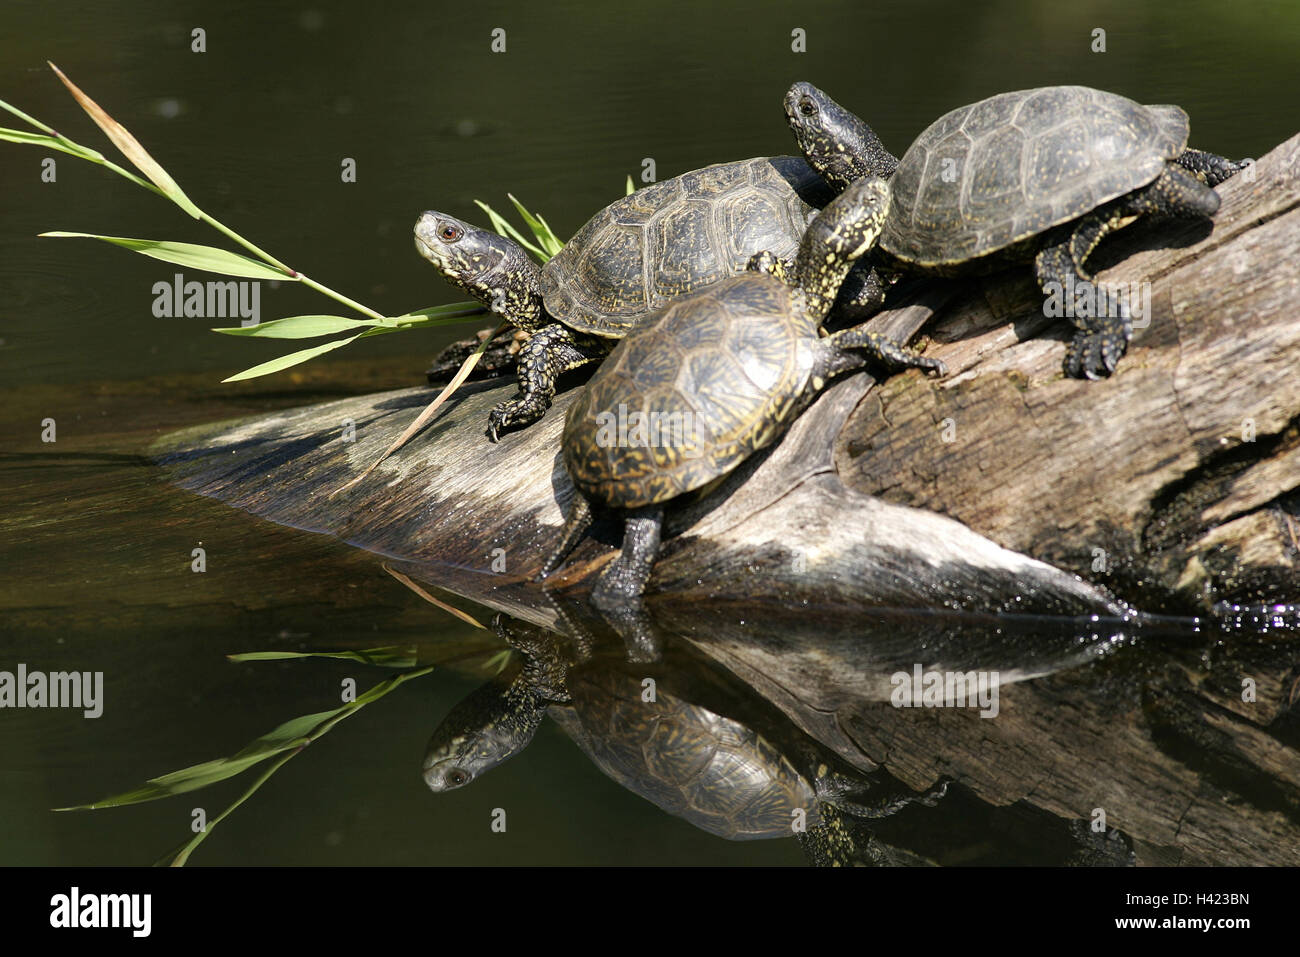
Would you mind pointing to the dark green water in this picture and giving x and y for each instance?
(95, 547)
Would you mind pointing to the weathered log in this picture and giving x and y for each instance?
(1173, 484)
(480, 517)
(1156, 735)
(1175, 481)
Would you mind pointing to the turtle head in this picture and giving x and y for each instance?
(841, 234)
(490, 726)
(836, 143)
(494, 270)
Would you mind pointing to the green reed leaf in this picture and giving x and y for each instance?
(207, 258)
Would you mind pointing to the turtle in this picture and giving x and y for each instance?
(696, 746)
(709, 380)
(1041, 175)
(656, 244)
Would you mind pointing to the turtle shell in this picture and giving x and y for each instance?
(671, 238)
(718, 774)
(687, 397)
(1004, 169)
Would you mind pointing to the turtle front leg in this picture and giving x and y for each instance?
(1100, 340)
(1210, 168)
(882, 349)
(1103, 323)
(851, 795)
(617, 595)
(860, 297)
(552, 350)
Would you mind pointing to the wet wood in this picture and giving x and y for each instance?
(1189, 744)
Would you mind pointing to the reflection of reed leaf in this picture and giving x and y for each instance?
(497, 663)
(438, 603)
(290, 735)
(391, 656)
(284, 741)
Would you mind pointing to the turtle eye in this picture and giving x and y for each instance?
(456, 777)
(807, 107)
(450, 233)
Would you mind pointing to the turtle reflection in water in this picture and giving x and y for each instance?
(742, 771)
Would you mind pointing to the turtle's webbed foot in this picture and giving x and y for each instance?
(619, 589)
(517, 412)
(1227, 170)
(885, 350)
(935, 794)
(617, 595)
(1099, 344)
(897, 356)
(934, 367)
(548, 352)
(886, 804)
(576, 523)
(1094, 354)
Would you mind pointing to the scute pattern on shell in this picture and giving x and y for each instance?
(728, 365)
(671, 238)
(693, 763)
(1024, 162)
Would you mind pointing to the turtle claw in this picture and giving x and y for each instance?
(516, 413)
(1094, 355)
(1082, 357)
(498, 420)
(934, 367)
(935, 794)
(847, 796)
